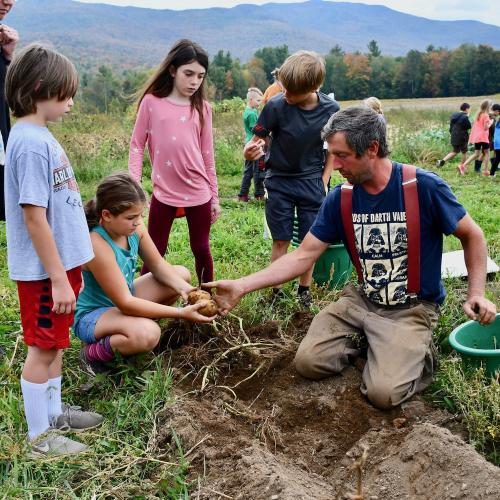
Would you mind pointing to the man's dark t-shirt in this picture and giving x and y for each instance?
(296, 148)
(381, 235)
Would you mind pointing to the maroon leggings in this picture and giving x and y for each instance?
(161, 218)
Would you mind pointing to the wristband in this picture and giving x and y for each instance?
(179, 308)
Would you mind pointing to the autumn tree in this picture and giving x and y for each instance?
(272, 57)
(358, 72)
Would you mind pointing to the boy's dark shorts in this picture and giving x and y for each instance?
(283, 196)
(42, 327)
(460, 148)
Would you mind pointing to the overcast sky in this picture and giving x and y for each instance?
(487, 11)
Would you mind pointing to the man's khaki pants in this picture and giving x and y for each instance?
(399, 358)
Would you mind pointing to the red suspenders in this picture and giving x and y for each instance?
(346, 212)
(410, 194)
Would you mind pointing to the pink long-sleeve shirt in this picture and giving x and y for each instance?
(181, 152)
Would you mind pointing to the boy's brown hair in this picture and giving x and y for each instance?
(36, 74)
(302, 72)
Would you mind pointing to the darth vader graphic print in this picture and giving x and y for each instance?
(382, 244)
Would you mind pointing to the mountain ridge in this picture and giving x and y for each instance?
(136, 36)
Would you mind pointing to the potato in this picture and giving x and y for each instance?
(210, 309)
(197, 295)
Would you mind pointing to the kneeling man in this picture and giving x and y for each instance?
(392, 219)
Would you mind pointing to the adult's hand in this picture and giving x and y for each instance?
(228, 294)
(480, 309)
(8, 40)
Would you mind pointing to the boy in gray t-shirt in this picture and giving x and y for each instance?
(47, 242)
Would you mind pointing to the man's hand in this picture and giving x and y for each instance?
(8, 40)
(63, 297)
(480, 309)
(228, 294)
(253, 150)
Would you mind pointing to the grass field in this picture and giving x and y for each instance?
(124, 462)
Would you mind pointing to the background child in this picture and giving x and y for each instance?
(253, 168)
(479, 136)
(296, 177)
(47, 241)
(375, 104)
(496, 140)
(275, 87)
(176, 122)
(459, 130)
(113, 311)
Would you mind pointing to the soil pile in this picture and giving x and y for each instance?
(258, 430)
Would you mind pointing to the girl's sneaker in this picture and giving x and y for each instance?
(92, 367)
(51, 443)
(461, 169)
(75, 420)
(486, 173)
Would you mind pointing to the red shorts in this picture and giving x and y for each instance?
(42, 327)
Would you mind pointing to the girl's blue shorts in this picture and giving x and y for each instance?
(85, 327)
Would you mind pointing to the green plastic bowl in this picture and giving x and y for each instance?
(333, 268)
(478, 345)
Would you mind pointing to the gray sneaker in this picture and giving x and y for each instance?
(51, 443)
(75, 420)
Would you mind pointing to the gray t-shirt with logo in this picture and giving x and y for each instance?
(38, 172)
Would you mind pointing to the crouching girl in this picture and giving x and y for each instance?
(115, 312)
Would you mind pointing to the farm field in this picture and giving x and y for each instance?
(444, 103)
(218, 411)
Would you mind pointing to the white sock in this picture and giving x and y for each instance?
(35, 407)
(54, 398)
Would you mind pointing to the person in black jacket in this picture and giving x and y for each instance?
(8, 41)
(459, 130)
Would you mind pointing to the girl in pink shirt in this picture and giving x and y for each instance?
(176, 122)
(479, 136)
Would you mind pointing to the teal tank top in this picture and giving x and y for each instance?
(93, 296)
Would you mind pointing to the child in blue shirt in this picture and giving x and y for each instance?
(496, 140)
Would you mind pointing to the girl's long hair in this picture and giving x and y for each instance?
(116, 193)
(484, 108)
(161, 83)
